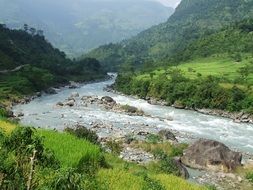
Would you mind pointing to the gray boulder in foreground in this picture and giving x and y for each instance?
(167, 135)
(211, 155)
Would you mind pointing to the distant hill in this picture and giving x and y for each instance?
(191, 20)
(81, 25)
(28, 63)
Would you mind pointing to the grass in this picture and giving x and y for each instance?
(171, 182)
(6, 126)
(116, 179)
(68, 148)
(220, 67)
(154, 148)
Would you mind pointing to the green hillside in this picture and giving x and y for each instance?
(28, 64)
(191, 20)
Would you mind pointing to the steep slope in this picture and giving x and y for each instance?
(28, 63)
(78, 26)
(191, 20)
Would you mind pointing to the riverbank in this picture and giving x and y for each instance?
(237, 117)
(7, 105)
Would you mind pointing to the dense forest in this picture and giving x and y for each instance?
(191, 20)
(29, 63)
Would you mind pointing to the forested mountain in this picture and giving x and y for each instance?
(28, 63)
(78, 26)
(191, 20)
(231, 41)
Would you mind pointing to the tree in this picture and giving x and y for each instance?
(26, 27)
(40, 33)
(33, 31)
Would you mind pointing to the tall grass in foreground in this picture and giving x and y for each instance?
(171, 182)
(69, 149)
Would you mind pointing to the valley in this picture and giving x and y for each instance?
(126, 95)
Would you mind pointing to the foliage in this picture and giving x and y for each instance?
(192, 20)
(153, 139)
(84, 133)
(249, 176)
(114, 146)
(16, 150)
(200, 92)
(30, 64)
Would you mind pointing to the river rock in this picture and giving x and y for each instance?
(211, 155)
(73, 85)
(167, 135)
(108, 99)
(178, 105)
(59, 104)
(20, 114)
(51, 91)
(70, 103)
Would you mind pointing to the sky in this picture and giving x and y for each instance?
(170, 3)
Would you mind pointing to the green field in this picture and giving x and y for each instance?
(225, 68)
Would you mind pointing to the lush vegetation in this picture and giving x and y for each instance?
(41, 159)
(204, 84)
(192, 20)
(28, 64)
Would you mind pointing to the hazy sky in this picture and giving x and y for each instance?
(170, 3)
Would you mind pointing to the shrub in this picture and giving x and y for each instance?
(115, 147)
(82, 132)
(66, 179)
(168, 165)
(249, 176)
(154, 139)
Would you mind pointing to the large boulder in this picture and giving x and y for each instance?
(211, 155)
(167, 135)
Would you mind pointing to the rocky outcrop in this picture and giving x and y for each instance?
(167, 135)
(211, 155)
